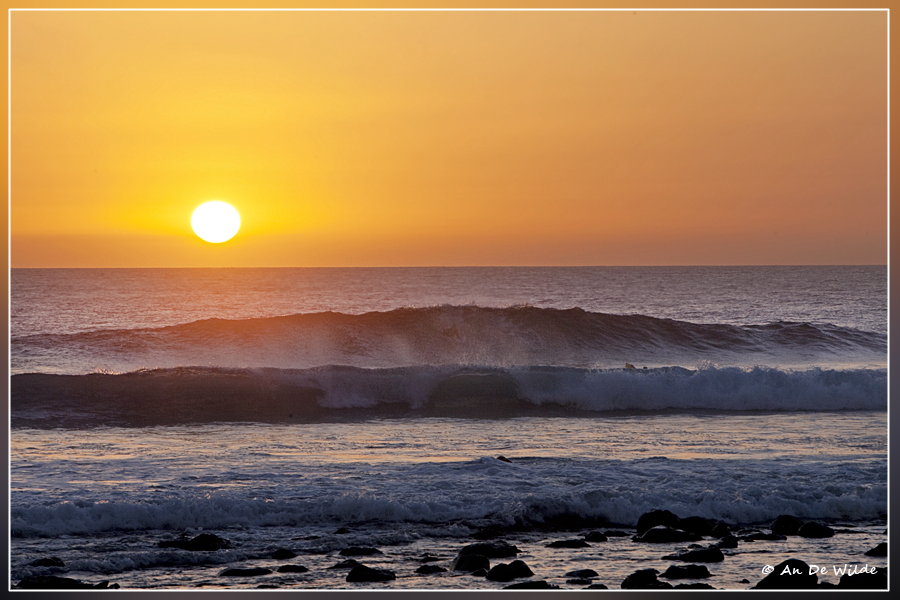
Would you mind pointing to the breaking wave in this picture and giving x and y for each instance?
(203, 395)
(461, 335)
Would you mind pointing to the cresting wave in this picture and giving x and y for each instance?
(438, 335)
(203, 395)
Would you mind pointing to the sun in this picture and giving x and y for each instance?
(216, 221)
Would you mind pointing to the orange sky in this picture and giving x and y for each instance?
(499, 138)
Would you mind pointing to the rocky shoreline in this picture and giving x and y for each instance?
(694, 548)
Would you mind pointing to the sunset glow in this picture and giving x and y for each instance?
(451, 138)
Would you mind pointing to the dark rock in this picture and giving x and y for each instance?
(292, 569)
(595, 536)
(532, 585)
(357, 551)
(479, 573)
(815, 530)
(578, 581)
(513, 570)
(470, 562)
(251, 572)
(687, 572)
(205, 542)
(656, 517)
(792, 574)
(283, 554)
(490, 549)
(763, 537)
(615, 533)
(720, 530)
(52, 561)
(596, 586)
(711, 554)
(267, 586)
(879, 550)
(661, 534)
(744, 581)
(362, 573)
(579, 543)
(583, 573)
(786, 525)
(346, 564)
(504, 459)
(865, 581)
(428, 558)
(342, 531)
(698, 525)
(52, 582)
(429, 569)
(645, 579)
(729, 541)
(694, 586)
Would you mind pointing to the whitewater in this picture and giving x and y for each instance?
(410, 409)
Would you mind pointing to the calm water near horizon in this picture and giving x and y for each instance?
(273, 406)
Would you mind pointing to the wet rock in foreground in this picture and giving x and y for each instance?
(52, 582)
(283, 554)
(470, 562)
(251, 572)
(430, 569)
(595, 536)
(205, 542)
(507, 572)
(786, 525)
(577, 543)
(292, 569)
(879, 550)
(694, 586)
(362, 573)
(687, 572)
(615, 533)
(654, 518)
(662, 534)
(699, 525)
(815, 530)
(645, 579)
(490, 549)
(729, 541)
(711, 554)
(865, 581)
(583, 573)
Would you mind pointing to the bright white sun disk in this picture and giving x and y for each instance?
(216, 221)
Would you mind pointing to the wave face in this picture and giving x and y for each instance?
(204, 395)
(462, 335)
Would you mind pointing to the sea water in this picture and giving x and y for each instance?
(274, 406)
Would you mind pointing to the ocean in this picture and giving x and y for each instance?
(414, 411)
